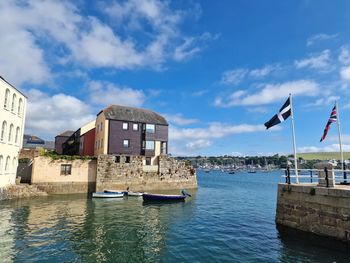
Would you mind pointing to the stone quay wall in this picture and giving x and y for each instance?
(319, 210)
(113, 172)
(20, 191)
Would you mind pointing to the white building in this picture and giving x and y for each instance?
(12, 116)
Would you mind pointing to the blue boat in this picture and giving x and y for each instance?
(165, 198)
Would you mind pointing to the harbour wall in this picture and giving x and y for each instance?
(120, 172)
(311, 208)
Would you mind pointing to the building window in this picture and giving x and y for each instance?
(117, 159)
(7, 98)
(7, 164)
(66, 169)
(148, 145)
(125, 125)
(163, 149)
(101, 143)
(3, 130)
(17, 135)
(127, 159)
(96, 145)
(13, 105)
(14, 165)
(11, 133)
(126, 143)
(150, 128)
(135, 127)
(20, 107)
(148, 160)
(101, 126)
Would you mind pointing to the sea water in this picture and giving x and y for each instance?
(230, 218)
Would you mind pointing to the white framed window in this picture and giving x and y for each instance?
(17, 135)
(13, 105)
(126, 143)
(14, 164)
(164, 147)
(7, 98)
(125, 126)
(149, 145)
(3, 130)
(150, 128)
(135, 127)
(20, 104)
(11, 133)
(7, 164)
(101, 126)
(66, 169)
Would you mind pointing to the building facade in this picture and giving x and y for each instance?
(131, 131)
(12, 119)
(87, 139)
(61, 139)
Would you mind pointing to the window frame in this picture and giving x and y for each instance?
(67, 169)
(150, 130)
(135, 125)
(127, 126)
(149, 141)
(128, 144)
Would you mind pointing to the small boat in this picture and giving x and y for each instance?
(231, 172)
(135, 193)
(165, 198)
(116, 191)
(108, 195)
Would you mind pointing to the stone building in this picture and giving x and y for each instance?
(12, 117)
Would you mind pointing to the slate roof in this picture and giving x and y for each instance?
(122, 113)
(66, 134)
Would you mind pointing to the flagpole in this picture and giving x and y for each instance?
(340, 139)
(294, 144)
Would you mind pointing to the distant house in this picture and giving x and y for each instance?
(33, 142)
(61, 139)
(87, 139)
(131, 131)
(12, 117)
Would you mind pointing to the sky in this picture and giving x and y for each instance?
(217, 70)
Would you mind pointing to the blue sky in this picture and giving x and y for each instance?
(216, 69)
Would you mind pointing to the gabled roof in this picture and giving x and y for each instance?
(66, 134)
(122, 113)
(2, 78)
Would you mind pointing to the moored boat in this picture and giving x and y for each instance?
(165, 198)
(107, 195)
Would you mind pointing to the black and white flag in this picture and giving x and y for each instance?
(281, 116)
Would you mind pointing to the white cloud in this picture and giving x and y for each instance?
(35, 32)
(198, 144)
(106, 93)
(236, 76)
(315, 61)
(319, 37)
(178, 119)
(324, 101)
(328, 148)
(344, 56)
(269, 94)
(49, 115)
(345, 73)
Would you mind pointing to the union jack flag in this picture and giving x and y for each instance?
(332, 118)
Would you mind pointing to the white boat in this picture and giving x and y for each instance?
(108, 195)
(135, 193)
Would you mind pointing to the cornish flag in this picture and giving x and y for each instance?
(281, 116)
(332, 118)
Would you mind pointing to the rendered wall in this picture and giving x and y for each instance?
(46, 174)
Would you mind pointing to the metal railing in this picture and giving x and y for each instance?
(314, 175)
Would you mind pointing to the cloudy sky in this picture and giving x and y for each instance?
(216, 69)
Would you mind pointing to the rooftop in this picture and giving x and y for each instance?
(117, 112)
(66, 134)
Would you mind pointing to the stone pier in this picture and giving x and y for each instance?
(312, 208)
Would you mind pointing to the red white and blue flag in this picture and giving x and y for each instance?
(332, 118)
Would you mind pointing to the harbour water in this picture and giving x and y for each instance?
(230, 218)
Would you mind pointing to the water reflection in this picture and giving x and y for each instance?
(298, 246)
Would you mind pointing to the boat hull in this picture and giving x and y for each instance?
(107, 195)
(163, 198)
